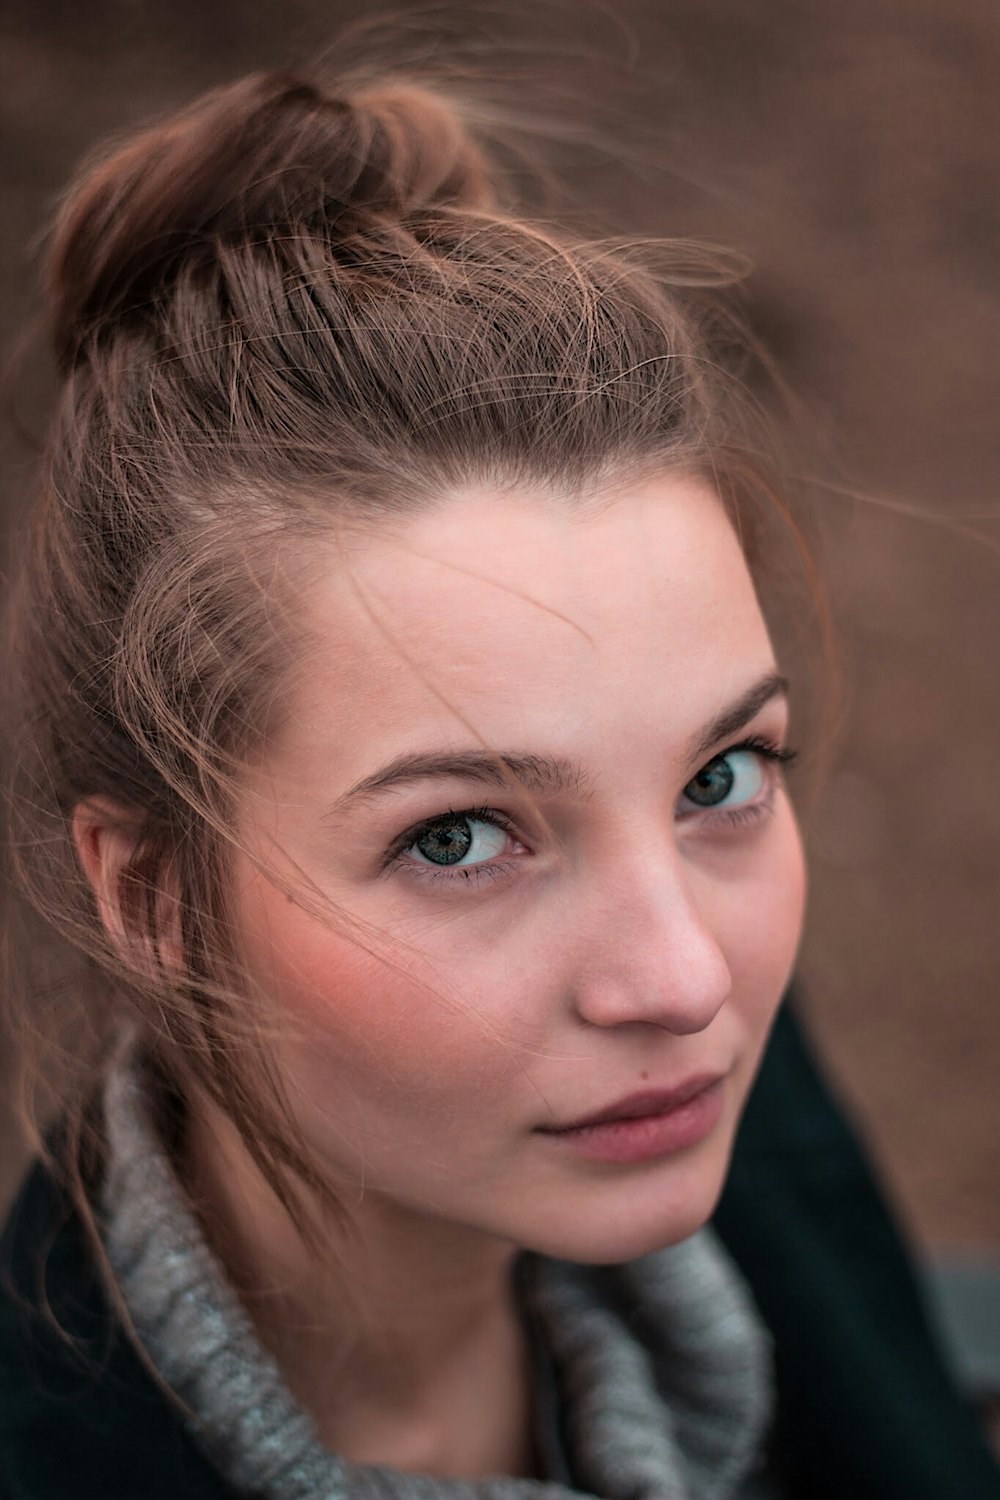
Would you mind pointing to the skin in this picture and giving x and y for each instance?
(617, 938)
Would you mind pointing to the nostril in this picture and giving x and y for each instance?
(681, 1002)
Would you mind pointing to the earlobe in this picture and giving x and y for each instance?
(106, 836)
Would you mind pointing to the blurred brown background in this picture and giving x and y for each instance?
(852, 147)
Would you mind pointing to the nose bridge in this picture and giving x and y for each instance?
(652, 953)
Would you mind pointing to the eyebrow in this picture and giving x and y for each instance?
(739, 714)
(535, 773)
(545, 774)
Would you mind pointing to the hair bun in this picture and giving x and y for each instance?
(264, 156)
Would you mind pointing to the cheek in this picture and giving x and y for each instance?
(356, 1016)
(762, 921)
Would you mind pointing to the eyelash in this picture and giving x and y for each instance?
(776, 755)
(737, 817)
(491, 815)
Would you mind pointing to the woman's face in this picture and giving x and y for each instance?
(604, 925)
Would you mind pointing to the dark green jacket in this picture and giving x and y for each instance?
(866, 1411)
(866, 1408)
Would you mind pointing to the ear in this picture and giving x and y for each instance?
(106, 835)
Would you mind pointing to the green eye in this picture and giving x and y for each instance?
(446, 843)
(449, 841)
(730, 780)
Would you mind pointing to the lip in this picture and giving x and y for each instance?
(647, 1126)
(641, 1105)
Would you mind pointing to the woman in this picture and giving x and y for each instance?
(406, 756)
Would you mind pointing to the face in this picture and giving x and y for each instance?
(532, 759)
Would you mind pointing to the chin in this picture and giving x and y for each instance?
(625, 1220)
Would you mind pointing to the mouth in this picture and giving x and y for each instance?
(645, 1126)
(640, 1106)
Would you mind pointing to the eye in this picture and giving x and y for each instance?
(458, 839)
(730, 781)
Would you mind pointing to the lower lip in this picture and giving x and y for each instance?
(649, 1137)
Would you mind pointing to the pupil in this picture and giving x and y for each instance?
(712, 784)
(446, 843)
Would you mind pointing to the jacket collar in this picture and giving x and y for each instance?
(79, 1413)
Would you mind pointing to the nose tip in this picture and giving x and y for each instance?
(662, 966)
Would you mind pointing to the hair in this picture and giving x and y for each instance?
(291, 307)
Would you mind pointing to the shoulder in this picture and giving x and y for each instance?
(79, 1414)
(866, 1404)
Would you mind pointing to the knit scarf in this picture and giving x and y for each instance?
(662, 1366)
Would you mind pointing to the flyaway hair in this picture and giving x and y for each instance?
(288, 309)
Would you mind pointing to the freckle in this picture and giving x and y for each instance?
(643, 1074)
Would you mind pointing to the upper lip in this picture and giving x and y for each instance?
(647, 1102)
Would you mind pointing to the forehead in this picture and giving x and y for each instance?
(505, 618)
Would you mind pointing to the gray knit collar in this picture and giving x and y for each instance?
(662, 1364)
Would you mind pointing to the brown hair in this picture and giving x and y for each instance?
(286, 306)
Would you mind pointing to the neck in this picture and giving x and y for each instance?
(404, 1342)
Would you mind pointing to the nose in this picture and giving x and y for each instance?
(650, 954)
